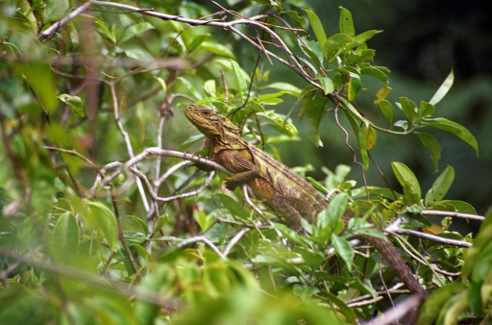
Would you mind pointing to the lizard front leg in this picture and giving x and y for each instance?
(241, 178)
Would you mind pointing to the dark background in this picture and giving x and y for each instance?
(422, 41)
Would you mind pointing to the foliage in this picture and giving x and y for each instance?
(87, 237)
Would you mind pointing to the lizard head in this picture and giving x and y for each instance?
(209, 122)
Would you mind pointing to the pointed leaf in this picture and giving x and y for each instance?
(344, 250)
(346, 23)
(441, 186)
(367, 35)
(41, 80)
(408, 181)
(329, 219)
(317, 26)
(443, 89)
(454, 128)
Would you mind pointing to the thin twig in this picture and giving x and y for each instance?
(439, 239)
(363, 300)
(453, 214)
(204, 240)
(73, 153)
(398, 312)
(50, 31)
(126, 139)
(235, 240)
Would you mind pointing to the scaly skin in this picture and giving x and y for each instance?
(284, 192)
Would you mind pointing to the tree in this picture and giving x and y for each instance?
(103, 221)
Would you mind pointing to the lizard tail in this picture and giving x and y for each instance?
(393, 258)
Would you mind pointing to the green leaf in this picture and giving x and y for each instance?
(232, 206)
(74, 102)
(137, 53)
(242, 78)
(346, 23)
(408, 181)
(314, 50)
(335, 44)
(326, 84)
(210, 88)
(455, 205)
(409, 108)
(387, 110)
(443, 89)
(317, 26)
(454, 128)
(286, 87)
(474, 297)
(382, 93)
(104, 30)
(431, 143)
(65, 236)
(367, 35)
(204, 220)
(376, 71)
(41, 80)
(426, 109)
(434, 303)
(328, 220)
(441, 186)
(313, 107)
(354, 85)
(280, 122)
(344, 250)
(217, 48)
(135, 30)
(54, 9)
(102, 220)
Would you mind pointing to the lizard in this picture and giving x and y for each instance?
(287, 194)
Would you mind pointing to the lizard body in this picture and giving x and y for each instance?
(286, 193)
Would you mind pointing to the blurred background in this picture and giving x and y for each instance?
(422, 41)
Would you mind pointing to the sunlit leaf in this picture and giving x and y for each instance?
(346, 23)
(443, 89)
(317, 26)
(285, 87)
(210, 88)
(74, 102)
(280, 122)
(217, 48)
